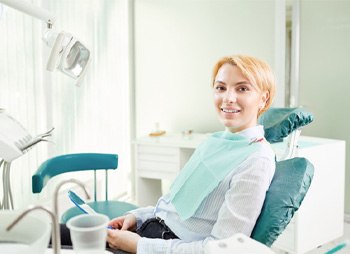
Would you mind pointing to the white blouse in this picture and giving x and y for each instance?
(232, 207)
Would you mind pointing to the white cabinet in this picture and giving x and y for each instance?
(319, 219)
(160, 158)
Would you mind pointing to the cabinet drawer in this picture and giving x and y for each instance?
(158, 166)
(155, 158)
(158, 157)
(157, 150)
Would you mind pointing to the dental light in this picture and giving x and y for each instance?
(68, 54)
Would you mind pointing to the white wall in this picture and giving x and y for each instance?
(324, 71)
(177, 42)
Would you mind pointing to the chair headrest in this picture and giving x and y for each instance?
(280, 122)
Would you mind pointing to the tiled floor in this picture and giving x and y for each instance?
(330, 246)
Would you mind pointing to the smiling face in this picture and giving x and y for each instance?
(237, 101)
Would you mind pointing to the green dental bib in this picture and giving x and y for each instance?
(209, 165)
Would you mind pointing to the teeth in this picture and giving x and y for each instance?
(230, 110)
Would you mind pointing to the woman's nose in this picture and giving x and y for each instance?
(230, 97)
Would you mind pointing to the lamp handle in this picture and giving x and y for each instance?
(57, 47)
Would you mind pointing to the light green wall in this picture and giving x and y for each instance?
(325, 72)
(177, 43)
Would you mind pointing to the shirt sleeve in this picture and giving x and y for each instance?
(142, 214)
(245, 198)
(239, 212)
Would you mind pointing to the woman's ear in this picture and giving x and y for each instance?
(264, 99)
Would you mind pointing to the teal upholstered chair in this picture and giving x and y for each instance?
(287, 190)
(82, 162)
(293, 175)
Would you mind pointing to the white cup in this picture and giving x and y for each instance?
(88, 233)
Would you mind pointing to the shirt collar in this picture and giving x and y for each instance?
(252, 132)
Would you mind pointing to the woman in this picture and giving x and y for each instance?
(221, 190)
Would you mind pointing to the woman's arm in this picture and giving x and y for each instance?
(133, 243)
(245, 198)
(239, 212)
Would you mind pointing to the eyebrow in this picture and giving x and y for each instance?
(244, 82)
(219, 81)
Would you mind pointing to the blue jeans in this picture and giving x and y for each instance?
(156, 228)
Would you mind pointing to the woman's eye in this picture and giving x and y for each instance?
(220, 88)
(243, 89)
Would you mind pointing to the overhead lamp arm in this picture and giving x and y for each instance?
(31, 10)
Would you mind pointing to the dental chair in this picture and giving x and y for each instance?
(82, 162)
(288, 188)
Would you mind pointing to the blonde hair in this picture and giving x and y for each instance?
(258, 72)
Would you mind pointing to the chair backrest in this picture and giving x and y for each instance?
(292, 177)
(71, 163)
(288, 188)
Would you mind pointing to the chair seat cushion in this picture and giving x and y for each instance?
(287, 190)
(110, 208)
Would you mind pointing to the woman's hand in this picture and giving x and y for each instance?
(127, 222)
(123, 240)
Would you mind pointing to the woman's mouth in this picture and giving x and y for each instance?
(225, 110)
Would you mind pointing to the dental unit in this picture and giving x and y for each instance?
(24, 239)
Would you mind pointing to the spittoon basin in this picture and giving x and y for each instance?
(30, 235)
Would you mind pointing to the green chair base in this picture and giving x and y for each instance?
(110, 208)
